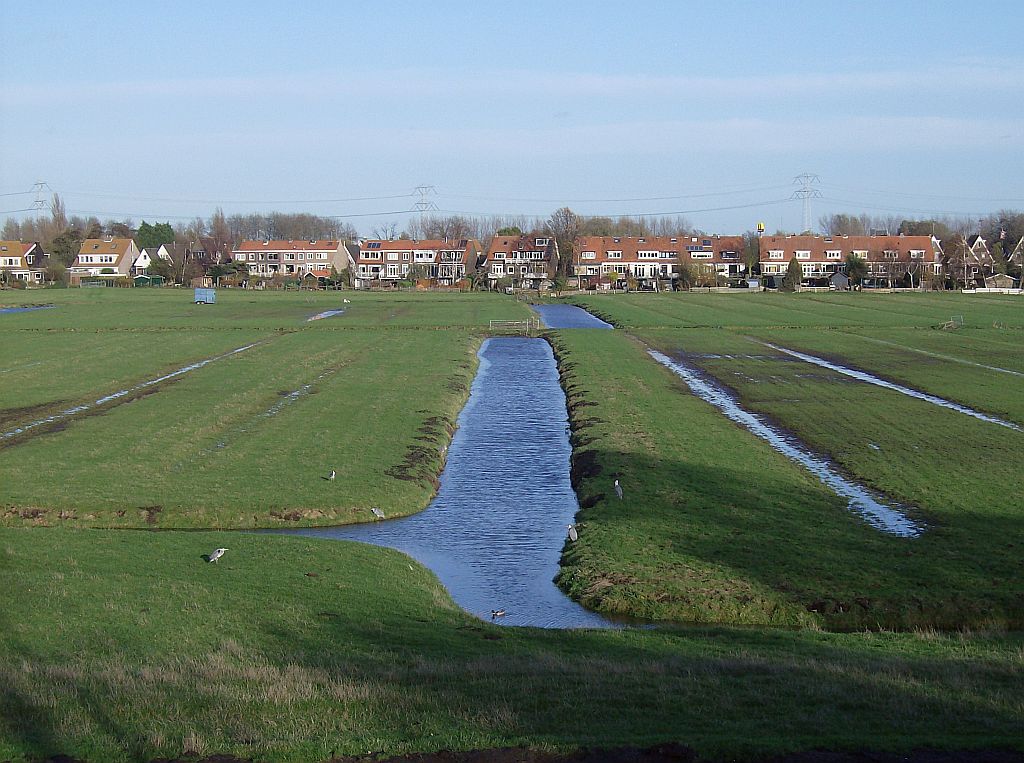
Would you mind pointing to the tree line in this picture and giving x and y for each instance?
(61, 236)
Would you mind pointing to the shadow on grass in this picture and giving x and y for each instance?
(692, 542)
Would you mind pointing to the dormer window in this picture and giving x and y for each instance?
(542, 242)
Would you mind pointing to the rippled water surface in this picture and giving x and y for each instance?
(569, 317)
(496, 529)
(873, 508)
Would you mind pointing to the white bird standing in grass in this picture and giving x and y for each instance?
(573, 535)
(618, 489)
(377, 513)
(217, 554)
(332, 475)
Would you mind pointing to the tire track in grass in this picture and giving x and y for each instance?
(864, 376)
(938, 355)
(39, 426)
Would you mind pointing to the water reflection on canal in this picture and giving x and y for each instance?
(495, 531)
(558, 316)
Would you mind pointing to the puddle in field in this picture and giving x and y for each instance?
(26, 309)
(864, 376)
(325, 314)
(873, 508)
(569, 317)
(120, 394)
(495, 532)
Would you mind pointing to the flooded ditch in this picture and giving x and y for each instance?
(569, 317)
(875, 510)
(25, 309)
(325, 314)
(495, 531)
(864, 376)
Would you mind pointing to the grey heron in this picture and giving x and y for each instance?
(618, 489)
(332, 475)
(573, 535)
(217, 554)
(377, 513)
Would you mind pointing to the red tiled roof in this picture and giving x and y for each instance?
(298, 245)
(875, 246)
(631, 246)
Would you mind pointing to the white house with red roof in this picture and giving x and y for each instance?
(106, 257)
(292, 259)
(648, 259)
(385, 262)
(23, 261)
(890, 260)
(529, 260)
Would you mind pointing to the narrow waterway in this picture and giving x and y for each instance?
(569, 317)
(496, 529)
(864, 376)
(873, 508)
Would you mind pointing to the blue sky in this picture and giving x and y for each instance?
(164, 110)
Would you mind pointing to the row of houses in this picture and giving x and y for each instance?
(531, 260)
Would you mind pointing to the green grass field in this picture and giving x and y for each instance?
(127, 646)
(117, 644)
(744, 536)
(245, 440)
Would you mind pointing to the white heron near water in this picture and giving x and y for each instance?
(618, 489)
(217, 554)
(573, 535)
(377, 513)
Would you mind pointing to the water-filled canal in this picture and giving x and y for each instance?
(569, 317)
(496, 529)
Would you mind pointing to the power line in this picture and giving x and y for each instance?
(736, 192)
(769, 202)
(99, 194)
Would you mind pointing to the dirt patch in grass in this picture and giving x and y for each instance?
(149, 513)
(422, 462)
(40, 410)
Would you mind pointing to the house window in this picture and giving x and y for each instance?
(917, 254)
(392, 257)
(542, 242)
(497, 268)
(588, 256)
(701, 255)
(803, 254)
(890, 255)
(614, 255)
(775, 254)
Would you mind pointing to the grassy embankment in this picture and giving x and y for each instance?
(744, 536)
(244, 441)
(127, 646)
